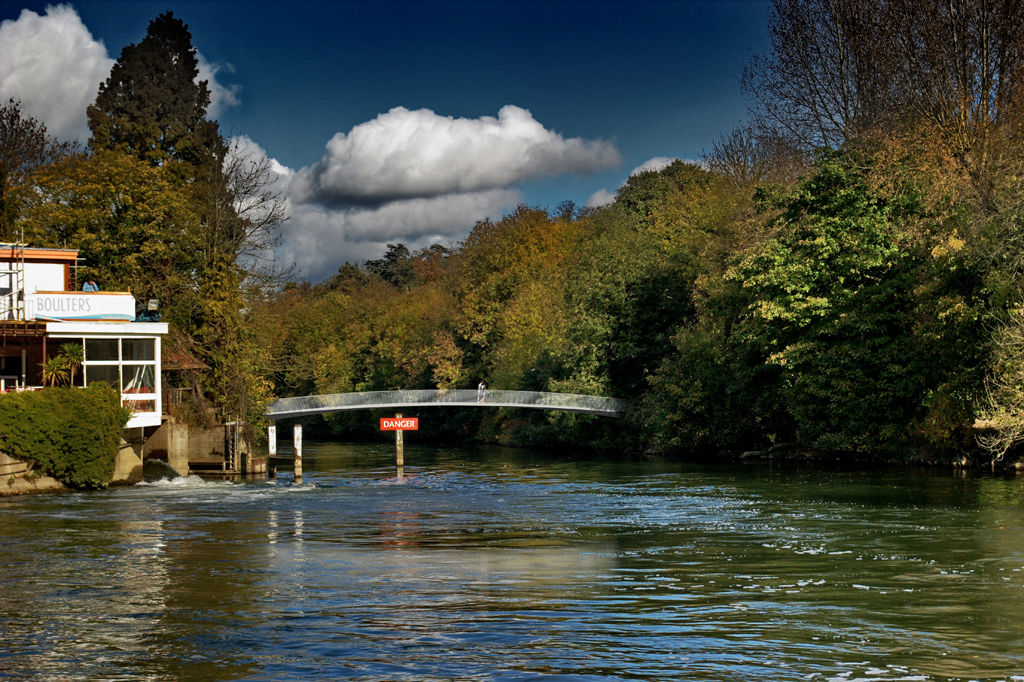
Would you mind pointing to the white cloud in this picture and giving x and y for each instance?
(244, 147)
(407, 154)
(54, 66)
(601, 197)
(221, 96)
(417, 218)
(655, 164)
(419, 178)
(318, 238)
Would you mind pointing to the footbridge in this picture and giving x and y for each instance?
(286, 408)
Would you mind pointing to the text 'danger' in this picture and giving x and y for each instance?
(403, 424)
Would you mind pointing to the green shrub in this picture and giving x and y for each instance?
(72, 434)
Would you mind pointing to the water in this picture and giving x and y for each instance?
(495, 564)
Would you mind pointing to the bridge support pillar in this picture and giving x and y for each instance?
(298, 453)
(271, 450)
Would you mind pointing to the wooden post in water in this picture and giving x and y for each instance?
(298, 453)
(271, 450)
(399, 448)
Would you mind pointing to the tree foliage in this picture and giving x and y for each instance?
(71, 434)
(151, 105)
(24, 148)
(836, 273)
(395, 268)
(132, 225)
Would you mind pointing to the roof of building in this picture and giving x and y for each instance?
(175, 358)
(31, 253)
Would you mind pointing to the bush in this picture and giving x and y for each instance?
(72, 434)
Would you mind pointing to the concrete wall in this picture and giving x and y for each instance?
(16, 478)
(206, 445)
(128, 465)
(11, 467)
(179, 445)
(252, 464)
(169, 442)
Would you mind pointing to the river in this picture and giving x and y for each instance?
(486, 563)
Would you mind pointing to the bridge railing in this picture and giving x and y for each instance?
(337, 402)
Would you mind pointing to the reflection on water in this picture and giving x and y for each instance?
(500, 564)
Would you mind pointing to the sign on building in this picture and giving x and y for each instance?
(75, 305)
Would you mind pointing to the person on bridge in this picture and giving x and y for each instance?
(481, 391)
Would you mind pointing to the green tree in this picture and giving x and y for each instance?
(870, 329)
(396, 267)
(74, 357)
(55, 371)
(631, 283)
(496, 260)
(24, 148)
(151, 106)
(129, 220)
(153, 110)
(713, 391)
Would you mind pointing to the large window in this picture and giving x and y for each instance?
(101, 350)
(108, 374)
(126, 364)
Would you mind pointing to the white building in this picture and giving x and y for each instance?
(40, 309)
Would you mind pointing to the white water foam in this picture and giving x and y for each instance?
(192, 481)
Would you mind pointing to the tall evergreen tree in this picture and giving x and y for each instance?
(151, 105)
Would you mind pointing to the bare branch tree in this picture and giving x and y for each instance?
(959, 63)
(750, 156)
(261, 208)
(837, 69)
(24, 147)
(822, 80)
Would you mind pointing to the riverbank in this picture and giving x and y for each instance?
(792, 452)
(18, 477)
(21, 485)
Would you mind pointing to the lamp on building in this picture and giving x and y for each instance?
(150, 312)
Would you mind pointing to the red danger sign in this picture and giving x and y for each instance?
(399, 424)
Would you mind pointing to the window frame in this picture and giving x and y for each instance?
(129, 400)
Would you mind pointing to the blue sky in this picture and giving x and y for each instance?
(500, 102)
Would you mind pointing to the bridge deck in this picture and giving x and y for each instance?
(285, 408)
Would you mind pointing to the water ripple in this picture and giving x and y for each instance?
(491, 564)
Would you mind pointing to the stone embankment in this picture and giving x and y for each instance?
(17, 477)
